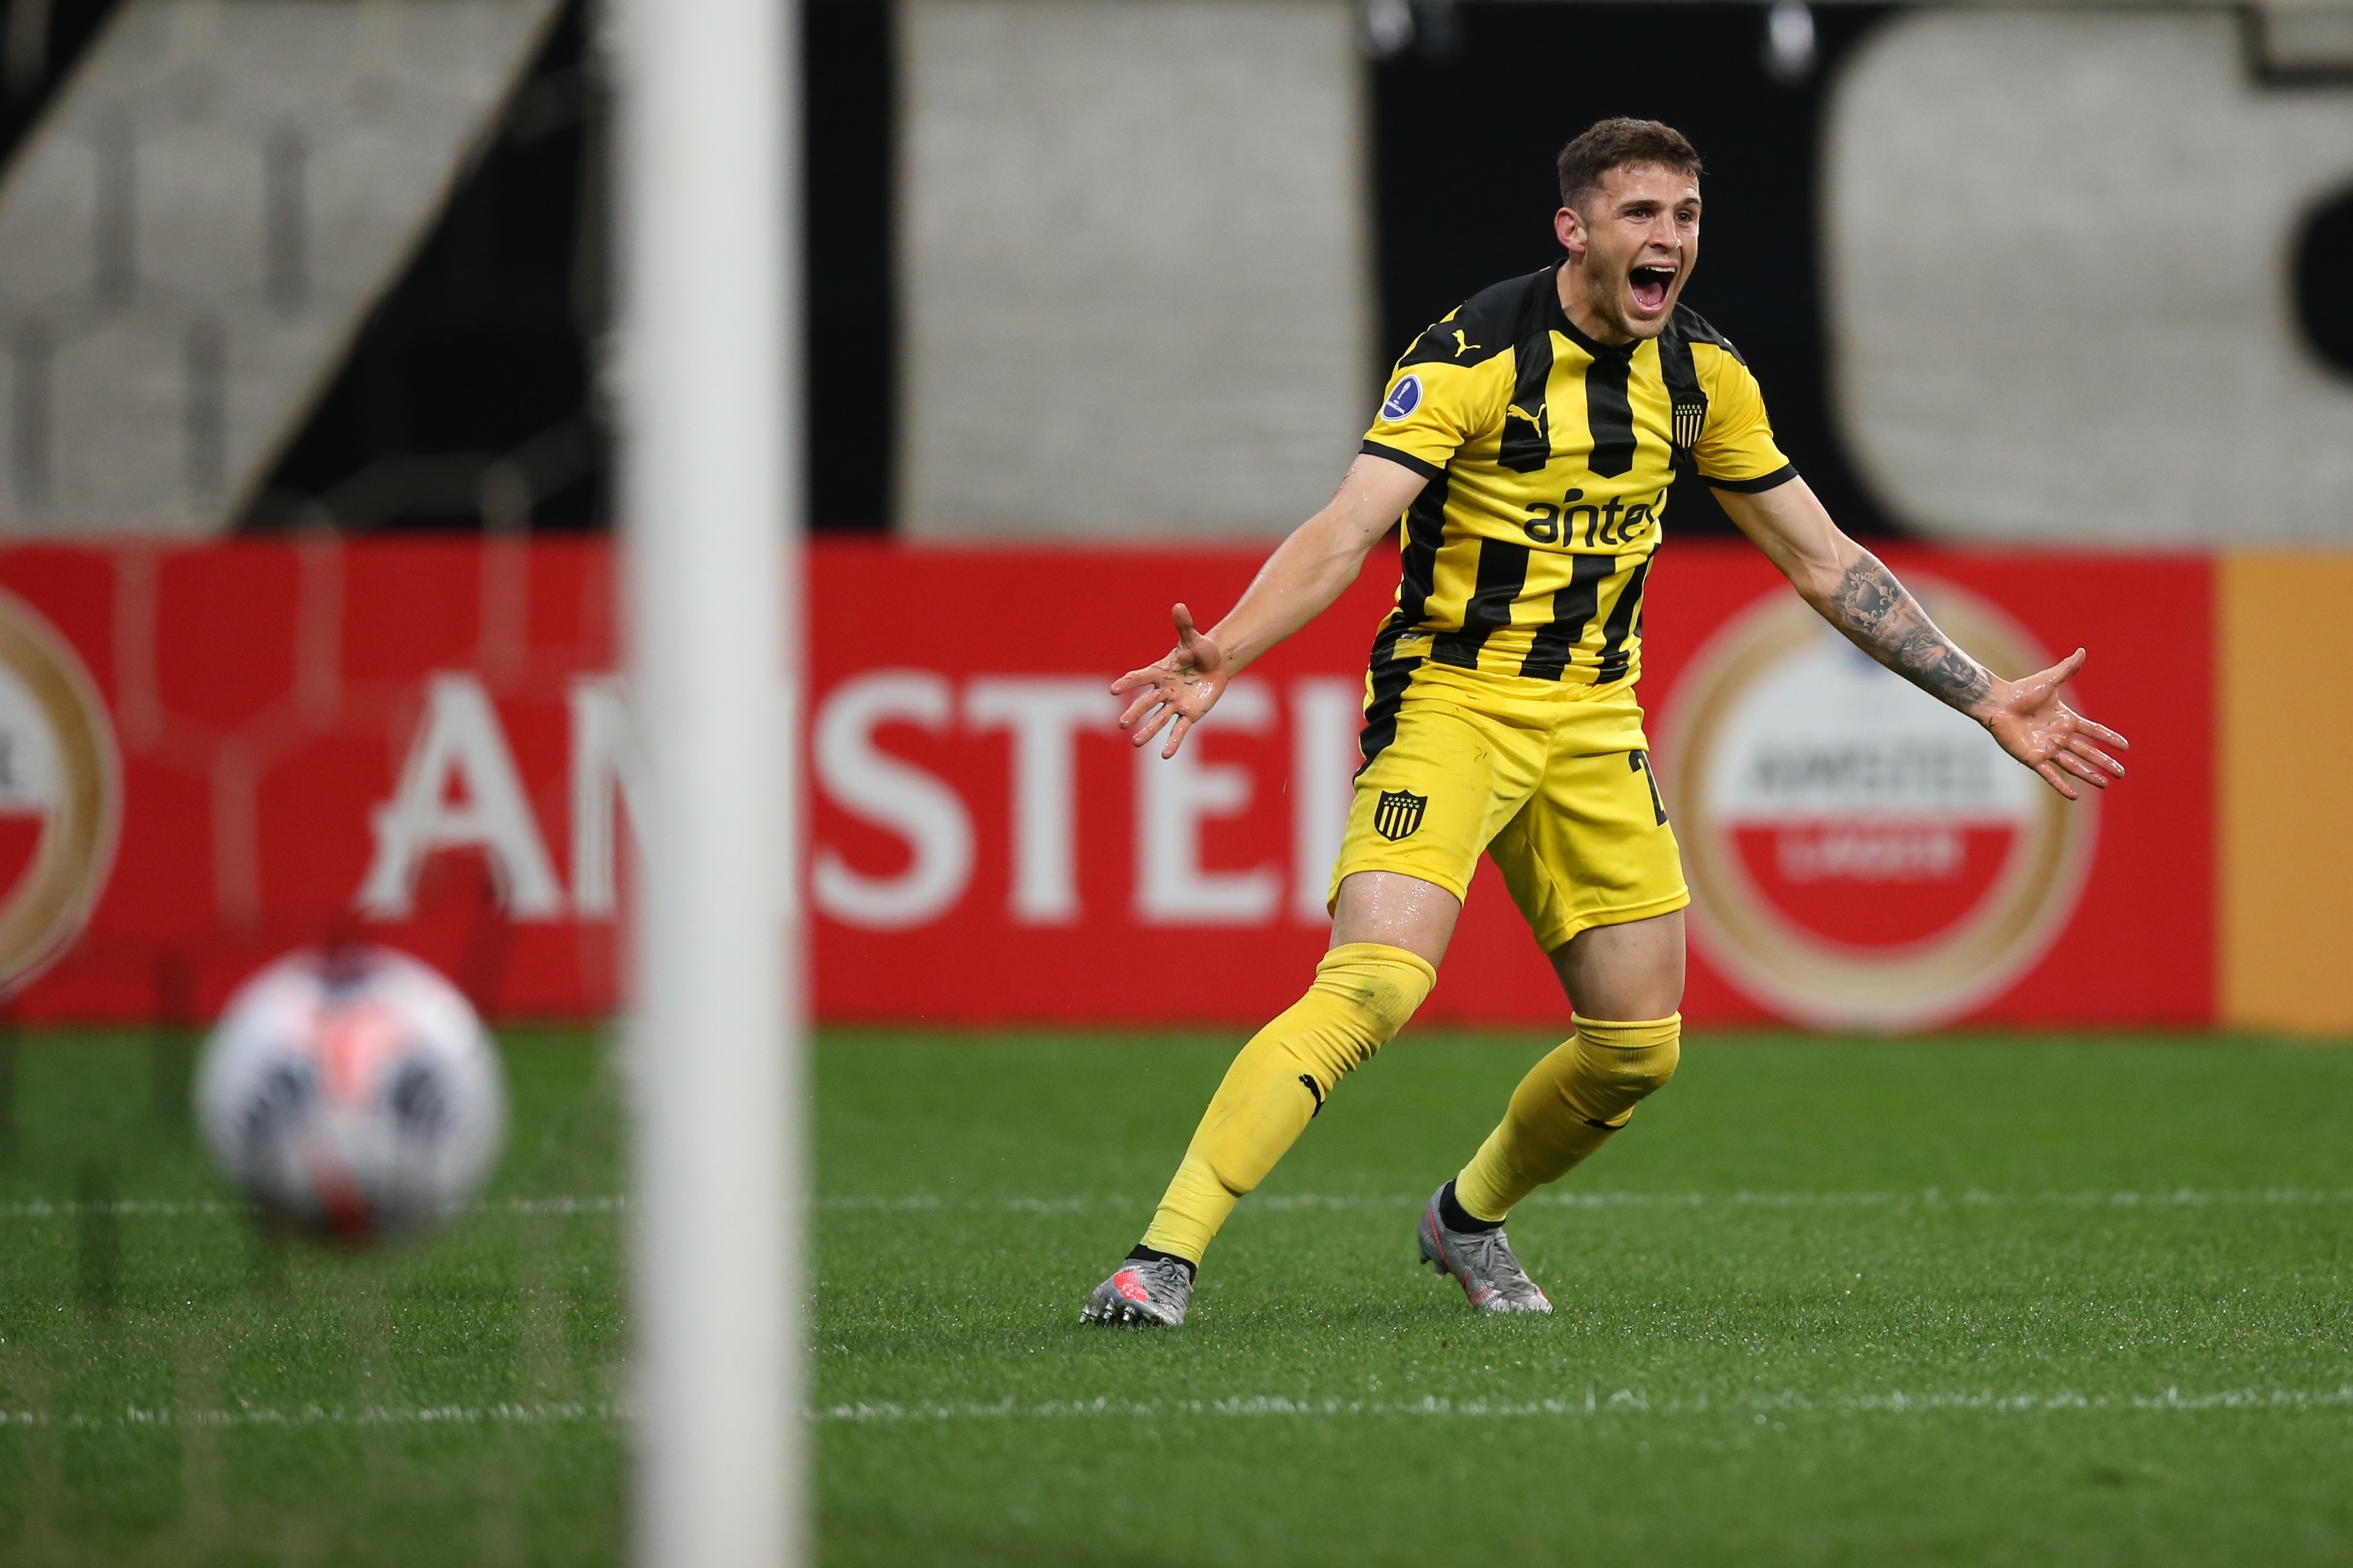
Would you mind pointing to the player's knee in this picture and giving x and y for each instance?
(1374, 989)
(1641, 1071)
(1620, 1065)
(1362, 995)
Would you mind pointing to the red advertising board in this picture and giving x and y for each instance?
(1117, 855)
(208, 754)
(2131, 939)
(262, 700)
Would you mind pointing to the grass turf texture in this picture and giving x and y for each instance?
(1971, 1300)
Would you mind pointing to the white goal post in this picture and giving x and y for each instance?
(707, 247)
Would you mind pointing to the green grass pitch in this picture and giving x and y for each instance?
(1973, 1300)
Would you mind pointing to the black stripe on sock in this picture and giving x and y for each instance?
(1142, 1254)
(1455, 1216)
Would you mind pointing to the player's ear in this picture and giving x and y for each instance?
(1569, 229)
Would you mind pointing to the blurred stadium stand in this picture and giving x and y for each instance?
(1135, 291)
(2064, 302)
(1363, 166)
(191, 231)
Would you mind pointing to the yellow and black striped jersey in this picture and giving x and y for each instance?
(1549, 457)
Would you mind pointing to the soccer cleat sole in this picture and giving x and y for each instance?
(1126, 1315)
(1126, 1300)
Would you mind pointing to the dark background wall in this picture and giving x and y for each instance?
(1467, 122)
(485, 350)
(488, 348)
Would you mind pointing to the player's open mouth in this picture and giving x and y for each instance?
(1650, 285)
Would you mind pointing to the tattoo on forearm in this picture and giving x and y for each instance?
(1874, 609)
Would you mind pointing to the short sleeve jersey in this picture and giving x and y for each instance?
(1549, 457)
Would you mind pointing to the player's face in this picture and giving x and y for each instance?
(1634, 246)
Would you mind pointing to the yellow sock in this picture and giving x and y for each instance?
(1362, 995)
(1568, 1107)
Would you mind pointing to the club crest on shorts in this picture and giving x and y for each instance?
(1398, 813)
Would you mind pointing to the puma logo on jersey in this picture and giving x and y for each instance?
(1516, 412)
(1463, 345)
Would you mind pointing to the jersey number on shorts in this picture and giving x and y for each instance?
(1641, 762)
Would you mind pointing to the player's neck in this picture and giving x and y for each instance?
(1570, 282)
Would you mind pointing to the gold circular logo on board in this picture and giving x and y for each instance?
(60, 793)
(1861, 856)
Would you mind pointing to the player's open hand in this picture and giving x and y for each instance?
(2050, 737)
(1176, 691)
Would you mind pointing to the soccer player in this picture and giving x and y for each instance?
(1529, 442)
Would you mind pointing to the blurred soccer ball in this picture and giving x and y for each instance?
(352, 1095)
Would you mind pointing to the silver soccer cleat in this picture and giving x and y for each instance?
(1143, 1293)
(1483, 1262)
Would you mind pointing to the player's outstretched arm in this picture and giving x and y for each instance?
(1862, 597)
(1298, 583)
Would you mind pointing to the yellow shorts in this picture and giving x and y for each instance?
(1552, 780)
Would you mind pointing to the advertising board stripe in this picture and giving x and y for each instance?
(427, 743)
(2283, 754)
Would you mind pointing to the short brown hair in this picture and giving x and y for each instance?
(1616, 143)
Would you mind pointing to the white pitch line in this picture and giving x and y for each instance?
(134, 1415)
(1623, 1401)
(1927, 1198)
(560, 1205)
(141, 1208)
(184, 1208)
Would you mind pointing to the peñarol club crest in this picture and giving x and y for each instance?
(1398, 813)
(1861, 856)
(60, 793)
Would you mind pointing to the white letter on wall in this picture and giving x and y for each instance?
(1043, 715)
(1171, 799)
(460, 744)
(877, 787)
(1325, 715)
(606, 762)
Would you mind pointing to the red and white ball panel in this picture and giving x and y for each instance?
(352, 1095)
